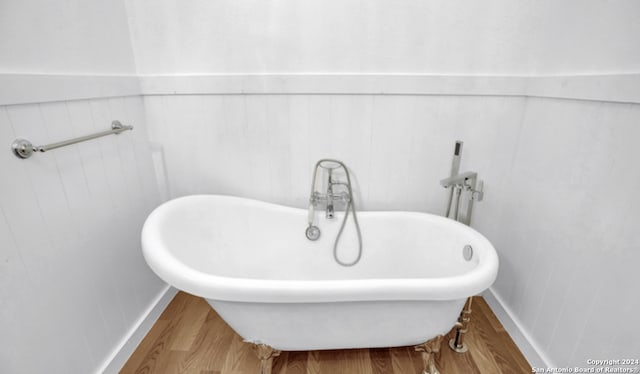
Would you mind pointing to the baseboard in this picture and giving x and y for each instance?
(130, 342)
(527, 346)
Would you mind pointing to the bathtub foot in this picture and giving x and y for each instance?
(266, 354)
(429, 350)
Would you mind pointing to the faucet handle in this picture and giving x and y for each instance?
(316, 198)
(342, 197)
(478, 193)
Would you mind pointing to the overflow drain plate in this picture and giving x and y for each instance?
(467, 252)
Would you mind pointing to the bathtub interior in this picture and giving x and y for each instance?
(242, 238)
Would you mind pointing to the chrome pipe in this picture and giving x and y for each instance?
(329, 210)
(462, 326)
(458, 194)
(23, 148)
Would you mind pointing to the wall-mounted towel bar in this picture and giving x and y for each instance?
(24, 149)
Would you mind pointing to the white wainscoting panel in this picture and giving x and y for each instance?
(73, 279)
(265, 146)
(565, 223)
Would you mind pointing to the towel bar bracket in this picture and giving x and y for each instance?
(23, 148)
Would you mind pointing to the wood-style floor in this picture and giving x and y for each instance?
(190, 337)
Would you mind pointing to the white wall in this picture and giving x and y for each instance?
(65, 37)
(73, 278)
(499, 37)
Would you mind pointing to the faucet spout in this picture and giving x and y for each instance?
(330, 210)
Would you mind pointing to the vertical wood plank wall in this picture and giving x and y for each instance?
(72, 277)
(559, 202)
(265, 146)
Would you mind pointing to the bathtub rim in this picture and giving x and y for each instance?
(178, 274)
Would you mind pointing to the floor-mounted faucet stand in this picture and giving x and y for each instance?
(460, 184)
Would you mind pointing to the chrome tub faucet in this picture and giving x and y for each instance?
(329, 198)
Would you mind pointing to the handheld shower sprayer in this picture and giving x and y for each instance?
(312, 232)
(455, 169)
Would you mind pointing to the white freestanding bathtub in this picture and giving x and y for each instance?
(254, 265)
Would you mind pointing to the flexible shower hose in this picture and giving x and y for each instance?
(351, 208)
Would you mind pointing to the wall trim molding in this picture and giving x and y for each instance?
(531, 351)
(332, 84)
(618, 88)
(42, 88)
(623, 88)
(134, 336)
(38, 88)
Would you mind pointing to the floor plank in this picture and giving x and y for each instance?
(145, 347)
(499, 343)
(313, 362)
(195, 314)
(402, 360)
(191, 338)
(380, 361)
(211, 345)
(296, 363)
(240, 358)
